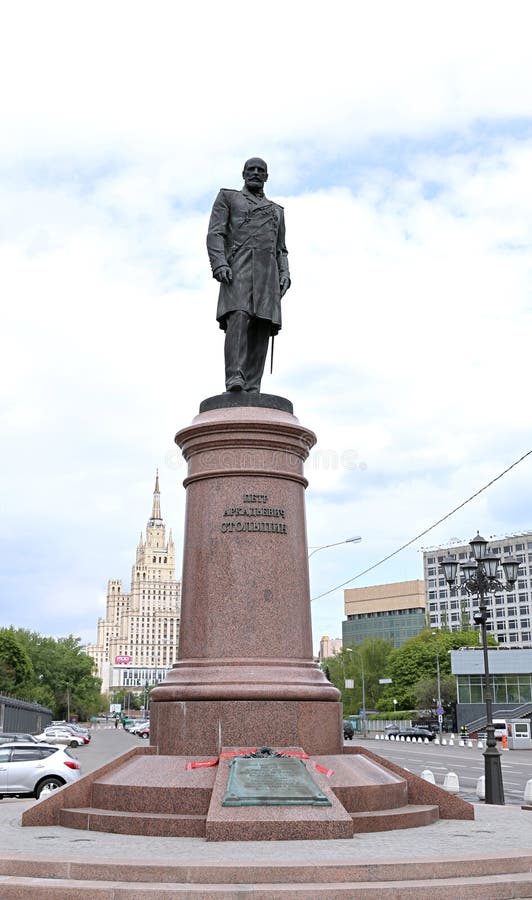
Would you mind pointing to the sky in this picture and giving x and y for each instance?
(399, 141)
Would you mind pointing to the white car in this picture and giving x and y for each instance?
(133, 729)
(61, 736)
(27, 768)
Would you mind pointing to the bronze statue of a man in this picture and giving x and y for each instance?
(248, 255)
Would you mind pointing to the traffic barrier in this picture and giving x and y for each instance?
(481, 788)
(461, 743)
(426, 741)
(436, 740)
(470, 743)
(451, 742)
(527, 796)
(444, 742)
(504, 740)
(480, 745)
(427, 775)
(451, 783)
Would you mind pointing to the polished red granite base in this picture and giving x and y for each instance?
(204, 727)
(245, 670)
(143, 793)
(276, 823)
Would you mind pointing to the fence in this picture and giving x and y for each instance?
(28, 718)
(374, 725)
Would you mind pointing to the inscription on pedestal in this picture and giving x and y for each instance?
(235, 514)
(272, 782)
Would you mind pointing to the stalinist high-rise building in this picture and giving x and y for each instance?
(137, 640)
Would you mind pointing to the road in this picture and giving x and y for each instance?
(107, 742)
(466, 762)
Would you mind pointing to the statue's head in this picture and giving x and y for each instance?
(255, 174)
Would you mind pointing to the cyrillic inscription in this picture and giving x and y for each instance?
(254, 512)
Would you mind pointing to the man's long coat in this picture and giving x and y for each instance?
(247, 233)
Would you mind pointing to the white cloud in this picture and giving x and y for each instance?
(400, 146)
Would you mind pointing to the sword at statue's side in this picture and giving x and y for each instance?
(271, 357)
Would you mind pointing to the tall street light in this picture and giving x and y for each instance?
(351, 540)
(350, 650)
(438, 700)
(480, 574)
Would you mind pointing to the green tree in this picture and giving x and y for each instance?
(16, 670)
(415, 660)
(371, 658)
(426, 692)
(64, 674)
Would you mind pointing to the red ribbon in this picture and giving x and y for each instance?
(327, 772)
(202, 764)
(230, 754)
(295, 753)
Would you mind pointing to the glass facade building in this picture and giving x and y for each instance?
(394, 612)
(510, 679)
(396, 626)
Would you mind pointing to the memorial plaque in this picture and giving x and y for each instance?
(272, 782)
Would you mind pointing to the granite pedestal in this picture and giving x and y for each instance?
(245, 673)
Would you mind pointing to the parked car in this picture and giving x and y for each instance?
(78, 729)
(29, 768)
(501, 729)
(134, 728)
(8, 737)
(71, 726)
(62, 736)
(143, 731)
(415, 731)
(349, 730)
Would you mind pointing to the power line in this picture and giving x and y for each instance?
(423, 533)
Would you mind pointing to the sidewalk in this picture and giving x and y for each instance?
(496, 830)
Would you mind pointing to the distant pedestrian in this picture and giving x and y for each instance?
(116, 721)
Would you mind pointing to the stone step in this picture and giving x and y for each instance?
(150, 798)
(502, 887)
(220, 869)
(410, 816)
(125, 822)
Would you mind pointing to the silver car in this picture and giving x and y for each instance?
(30, 768)
(61, 736)
(8, 737)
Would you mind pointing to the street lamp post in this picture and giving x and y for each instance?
(351, 540)
(480, 574)
(350, 650)
(438, 699)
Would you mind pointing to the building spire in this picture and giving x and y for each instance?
(156, 510)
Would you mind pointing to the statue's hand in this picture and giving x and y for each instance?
(223, 274)
(284, 284)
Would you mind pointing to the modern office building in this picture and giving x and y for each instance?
(137, 641)
(510, 679)
(510, 611)
(394, 612)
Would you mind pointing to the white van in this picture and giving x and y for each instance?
(501, 729)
